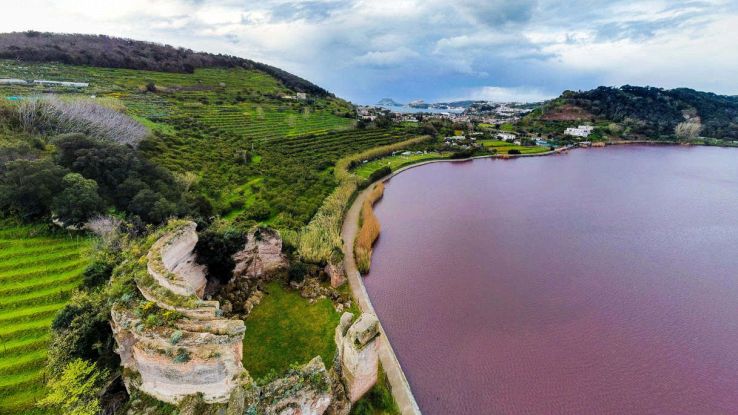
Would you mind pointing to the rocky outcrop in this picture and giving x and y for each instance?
(336, 274)
(187, 350)
(171, 262)
(358, 356)
(262, 256)
(303, 391)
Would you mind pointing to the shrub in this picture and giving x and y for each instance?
(78, 202)
(297, 271)
(27, 188)
(77, 389)
(98, 273)
(176, 337)
(378, 174)
(81, 330)
(215, 250)
(514, 151)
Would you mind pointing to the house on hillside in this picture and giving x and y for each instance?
(582, 131)
(506, 136)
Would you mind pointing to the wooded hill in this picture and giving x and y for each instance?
(111, 52)
(647, 111)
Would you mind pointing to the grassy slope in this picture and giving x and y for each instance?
(395, 162)
(38, 271)
(503, 147)
(285, 329)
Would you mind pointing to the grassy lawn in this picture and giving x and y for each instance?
(507, 127)
(38, 272)
(504, 147)
(395, 162)
(286, 329)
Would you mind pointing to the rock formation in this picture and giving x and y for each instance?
(171, 261)
(303, 391)
(336, 274)
(195, 350)
(358, 355)
(262, 255)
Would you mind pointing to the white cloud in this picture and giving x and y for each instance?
(386, 58)
(504, 94)
(367, 49)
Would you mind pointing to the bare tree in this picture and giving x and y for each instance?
(55, 115)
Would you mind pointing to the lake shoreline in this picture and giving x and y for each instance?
(399, 384)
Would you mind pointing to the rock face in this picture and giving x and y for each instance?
(197, 353)
(262, 255)
(336, 273)
(304, 391)
(358, 356)
(171, 261)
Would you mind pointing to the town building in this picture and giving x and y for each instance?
(582, 131)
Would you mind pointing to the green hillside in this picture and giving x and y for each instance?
(38, 271)
(633, 112)
(246, 138)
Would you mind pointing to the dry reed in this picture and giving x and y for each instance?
(369, 231)
(320, 241)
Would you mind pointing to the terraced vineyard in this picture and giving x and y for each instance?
(38, 272)
(215, 123)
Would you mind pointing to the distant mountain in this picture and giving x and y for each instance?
(388, 102)
(647, 111)
(418, 103)
(111, 52)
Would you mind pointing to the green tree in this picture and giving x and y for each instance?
(76, 391)
(27, 187)
(78, 202)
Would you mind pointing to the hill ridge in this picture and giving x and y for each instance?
(114, 52)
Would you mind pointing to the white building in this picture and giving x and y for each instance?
(11, 81)
(61, 83)
(582, 131)
(506, 136)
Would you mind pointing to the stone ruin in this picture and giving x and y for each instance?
(357, 360)
(202, 352)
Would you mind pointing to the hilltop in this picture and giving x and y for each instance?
(111, 52)
(646, 112)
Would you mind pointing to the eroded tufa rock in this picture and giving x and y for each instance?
(336, 274)
(358, 354)
(262, 255)
(304, 391)
(199, 352)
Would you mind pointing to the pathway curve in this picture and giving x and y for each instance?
(396, 377)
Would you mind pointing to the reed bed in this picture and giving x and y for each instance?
(369, 230)
(320, 241)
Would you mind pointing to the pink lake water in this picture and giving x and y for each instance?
(604, 281)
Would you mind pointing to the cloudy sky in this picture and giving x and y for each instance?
(364, 50)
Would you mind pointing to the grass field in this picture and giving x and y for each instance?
(284, 329)
(38, 272)
(395, 162)
(504, 147)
